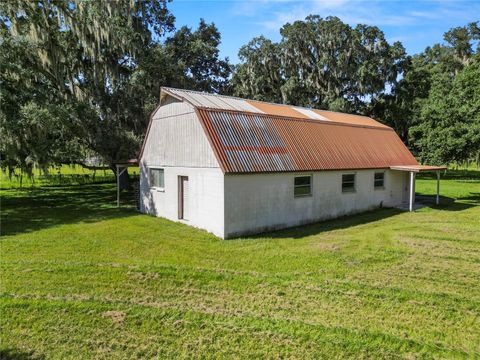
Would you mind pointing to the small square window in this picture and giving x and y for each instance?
(379, 180)
(156, 178)
(348, 182)
(302, 186)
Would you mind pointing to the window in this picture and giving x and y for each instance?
(302, 186)
(379, 180)
(156, 178)
(348, 182)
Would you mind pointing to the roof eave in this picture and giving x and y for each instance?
(418, 168)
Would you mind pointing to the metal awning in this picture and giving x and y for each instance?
(121, 167)
(413, 170)
(418, 168)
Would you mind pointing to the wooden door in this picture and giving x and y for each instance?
(183, 198)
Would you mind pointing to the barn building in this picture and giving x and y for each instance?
(235, 167)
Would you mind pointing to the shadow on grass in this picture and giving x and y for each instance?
(329, 225)
(449, 204)
(30, 210)
(348, 221)
(14, 354)
(473, 198)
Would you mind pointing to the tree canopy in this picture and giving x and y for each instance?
(427, 107)
(79, 79)
(102, 63)
(327, 64)
(321, 63)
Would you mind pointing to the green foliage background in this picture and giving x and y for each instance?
(79, 79)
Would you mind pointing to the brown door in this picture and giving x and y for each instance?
(183, 198)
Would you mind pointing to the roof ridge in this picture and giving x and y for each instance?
(205, 93)
(292, 118)
(339, 112)
(262, 101)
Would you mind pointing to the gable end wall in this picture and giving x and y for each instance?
(176, 138)
(177, 143)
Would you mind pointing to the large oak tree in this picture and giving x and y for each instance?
(96, 69)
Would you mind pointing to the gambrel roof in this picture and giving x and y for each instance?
(251, 136)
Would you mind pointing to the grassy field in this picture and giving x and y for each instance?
(56, 176)
(59, 176)
(82, 279)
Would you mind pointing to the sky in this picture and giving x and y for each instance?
(417, 24)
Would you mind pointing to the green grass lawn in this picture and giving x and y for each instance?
(58, 176)
(83, 279)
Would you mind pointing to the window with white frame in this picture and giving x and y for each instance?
(348, 183)
(157, 180)
(379, 180)
(302, 185)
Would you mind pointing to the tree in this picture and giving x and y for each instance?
(422, 76)
(460, 39)
(36, 124)
(259, 76)
(86, 51)
(450, 126)
(401, 107)
(196, 57)
(321, 63)
(103, 62)
(340, 67)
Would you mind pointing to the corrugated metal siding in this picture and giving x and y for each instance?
(262, 143)
(176, 138)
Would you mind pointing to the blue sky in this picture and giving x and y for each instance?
(416, 24)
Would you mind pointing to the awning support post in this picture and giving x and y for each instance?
(412, 190)
(119, 173)
(438, 188)
(118, 186)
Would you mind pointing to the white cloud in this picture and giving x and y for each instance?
(273, 14)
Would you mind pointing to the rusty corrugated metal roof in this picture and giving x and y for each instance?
(253, 136)
(349, 118)
(254, 142)
(214, 101)
(277, 109)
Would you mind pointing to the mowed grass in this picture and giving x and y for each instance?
(64, 175)
(55, 176)
(83, 279)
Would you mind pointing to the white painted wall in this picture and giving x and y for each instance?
(177, 143)
(261, 202)
(206, 197)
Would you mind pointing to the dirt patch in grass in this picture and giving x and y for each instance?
(116, 316)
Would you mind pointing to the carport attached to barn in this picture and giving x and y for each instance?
(413, 170)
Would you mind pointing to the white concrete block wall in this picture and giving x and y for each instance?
(261, 202)
(206, 197)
